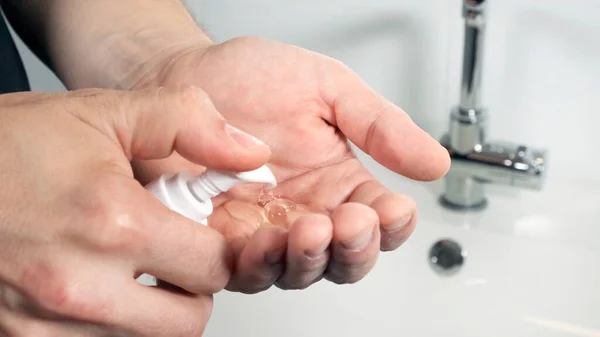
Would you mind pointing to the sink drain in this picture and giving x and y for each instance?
(446, 257)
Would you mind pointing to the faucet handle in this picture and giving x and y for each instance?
(512, 164)
(532, 163)
(502, 163)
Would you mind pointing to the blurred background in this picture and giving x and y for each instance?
(531, 267)
(541, 73)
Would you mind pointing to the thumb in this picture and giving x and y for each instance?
(385, 131)
(152, 123)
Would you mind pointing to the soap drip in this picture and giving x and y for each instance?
(276, 207)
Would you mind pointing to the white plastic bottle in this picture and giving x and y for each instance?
(191, 196)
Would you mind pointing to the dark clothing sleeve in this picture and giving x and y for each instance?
(13, 77)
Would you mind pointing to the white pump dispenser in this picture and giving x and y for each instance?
(191, 196)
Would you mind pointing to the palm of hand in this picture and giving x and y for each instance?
(303, 105)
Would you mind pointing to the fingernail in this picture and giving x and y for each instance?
(360, 242)
(274, 257)
(401, 223)
(244, 139)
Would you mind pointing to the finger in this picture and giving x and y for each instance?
(117, 304)
(76, 297)
(13, 323)
(182, 252)
(397, 212)
(152, 311)
(124, 220)
(20, 324)
(152, 123)
(307, 252)
(261, 262)
(355, 244)
(384, 131)
(16, 324)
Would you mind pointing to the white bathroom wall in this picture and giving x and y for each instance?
(541, 75)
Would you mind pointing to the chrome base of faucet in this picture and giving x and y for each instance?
(477, 162)
(463, 193)
(446, 203)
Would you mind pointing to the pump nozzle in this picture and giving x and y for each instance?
(214, 182)
(191, 196)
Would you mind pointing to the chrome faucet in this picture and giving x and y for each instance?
(475, 160)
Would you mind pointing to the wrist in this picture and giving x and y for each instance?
(120, 42)
(131, 61)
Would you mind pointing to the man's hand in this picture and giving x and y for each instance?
(76, 228)
(305, 106)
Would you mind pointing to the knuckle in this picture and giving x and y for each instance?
(60, 294)
(207, 256)
(56, 293)
(109, 216)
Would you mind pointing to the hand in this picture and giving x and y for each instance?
(76, 228)
(304, 105)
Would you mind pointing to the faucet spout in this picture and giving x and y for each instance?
(475, 21)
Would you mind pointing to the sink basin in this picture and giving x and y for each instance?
(531, 269)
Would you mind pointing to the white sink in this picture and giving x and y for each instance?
(531, 270)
